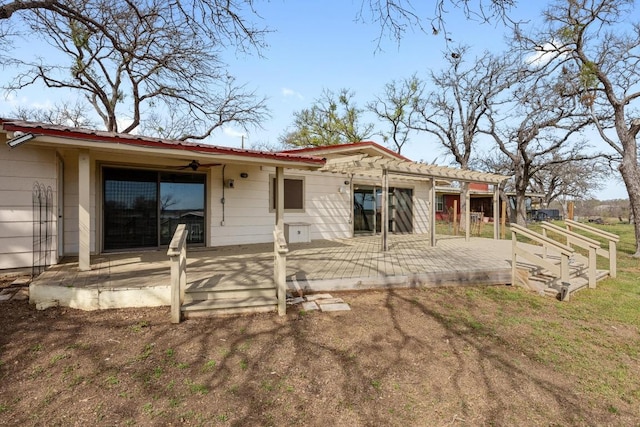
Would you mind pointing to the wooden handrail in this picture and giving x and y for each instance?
(178, 253)
(581, 241)
(543, 240)
(565, 251)
(600, 233)
(568, 233)
(613, 240)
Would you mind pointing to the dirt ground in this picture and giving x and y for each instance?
(403, 357)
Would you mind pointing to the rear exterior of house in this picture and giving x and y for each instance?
(67, 192)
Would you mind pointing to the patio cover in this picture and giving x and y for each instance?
(382, 167)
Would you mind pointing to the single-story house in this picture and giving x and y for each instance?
(71, 191)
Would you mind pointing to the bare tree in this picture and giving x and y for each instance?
(395, 17)
(126, 57)
(397, 108)
(540, 130)
(462, 94)
(74, 114)
(597, 47)
(332, 119)
(564, 179)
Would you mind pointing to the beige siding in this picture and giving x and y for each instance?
(248, 219)
(20, 169)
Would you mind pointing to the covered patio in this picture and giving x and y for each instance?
(143, 278)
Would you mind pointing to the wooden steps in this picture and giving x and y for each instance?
(535, 279)
(229, 299)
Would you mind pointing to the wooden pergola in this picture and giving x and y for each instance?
(383, 168)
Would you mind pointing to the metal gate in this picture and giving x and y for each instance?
(43, 218)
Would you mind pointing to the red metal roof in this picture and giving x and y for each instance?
(144, 141)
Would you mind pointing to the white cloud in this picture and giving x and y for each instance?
(286, 92)
(544, 54)
(233, 133)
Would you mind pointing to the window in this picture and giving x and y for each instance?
(293, 194)
(439, 202)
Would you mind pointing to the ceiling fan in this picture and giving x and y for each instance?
(194, 165)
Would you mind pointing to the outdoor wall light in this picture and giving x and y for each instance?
(346, 182)
(19, 138)
(244, 175)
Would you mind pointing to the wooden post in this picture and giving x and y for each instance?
(432, 218)
(280, 198)
(467, 215)
(613, 263)
(496, 210)
(455, 217)
(280, 250)
(177, 253)
(570, 211)
(385, 210)
(84, 211)
(503, 220)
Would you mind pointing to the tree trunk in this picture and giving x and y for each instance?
(630, 172)
(521, 208)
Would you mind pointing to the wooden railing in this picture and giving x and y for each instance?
(178, 254)
(611, 238)
(280, 250)
(573, 238)
(561, 271)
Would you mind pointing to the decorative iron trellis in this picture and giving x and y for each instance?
(42, 198)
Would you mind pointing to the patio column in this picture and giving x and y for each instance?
(496, 210)
(84, 213)
(385, 209)
(467, 216)
(280, 198)
(432, 214)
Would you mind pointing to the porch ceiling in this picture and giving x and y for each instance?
(373, 166)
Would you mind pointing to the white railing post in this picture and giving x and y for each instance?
(613, 265)
(280, 250)
(178, 254)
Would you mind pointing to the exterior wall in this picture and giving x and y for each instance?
(245, 217)
(70, 214)
(248, 219)
(20, 169)
(421, 208)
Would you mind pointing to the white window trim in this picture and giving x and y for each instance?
(272, 193)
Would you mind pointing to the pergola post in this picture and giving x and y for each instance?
(496, 211)
(432, 216)
(467, 215)
(385, 210)
(279, 190)
(84, 211)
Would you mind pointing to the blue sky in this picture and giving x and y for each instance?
(319, 44)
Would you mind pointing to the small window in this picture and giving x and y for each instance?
(439, 202)
(293, 194)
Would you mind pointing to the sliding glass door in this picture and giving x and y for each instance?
(367, 210)
(143, 208)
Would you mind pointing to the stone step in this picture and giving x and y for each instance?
(212, 307)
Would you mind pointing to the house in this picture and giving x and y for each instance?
(480, 196)
(70, 191)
